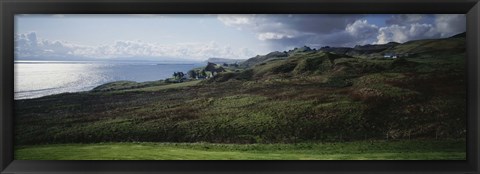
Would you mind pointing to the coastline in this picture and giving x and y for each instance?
(31, 85)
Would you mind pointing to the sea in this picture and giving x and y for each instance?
(33, 79)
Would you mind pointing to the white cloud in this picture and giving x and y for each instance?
(235, 20)
(28, 45)
(396, 33)
(416, 31)
(362, 31)
(273, 36)
(444, 25)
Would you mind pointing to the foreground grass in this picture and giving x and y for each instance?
(167, 86)
(363, 150)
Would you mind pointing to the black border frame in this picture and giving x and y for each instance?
(10, 7)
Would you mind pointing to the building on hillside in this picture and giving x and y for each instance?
(395, 55)
(390, 55)
(214, 68)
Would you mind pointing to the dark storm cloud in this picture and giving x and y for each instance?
(309, 23)
(322, 30)
(405, 19)
(288, 31)
(291, 30)
(450, 24)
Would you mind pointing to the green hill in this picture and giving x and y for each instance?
(294, 96)
(260, 59)
(452, 45)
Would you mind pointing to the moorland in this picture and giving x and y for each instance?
(389, 101)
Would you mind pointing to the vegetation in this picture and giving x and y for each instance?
(374, 150)
(292, 97)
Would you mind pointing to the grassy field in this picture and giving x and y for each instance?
(168, 86)
(360, 150)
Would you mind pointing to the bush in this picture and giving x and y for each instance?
(284, 68)
(309, 65)
(245, 75)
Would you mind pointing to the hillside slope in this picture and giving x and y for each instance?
(431, 46)
(282, 97)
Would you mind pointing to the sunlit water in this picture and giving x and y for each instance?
(40, 78)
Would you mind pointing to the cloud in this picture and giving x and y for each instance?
(450, 24)
(359, 32)
(444, 25)
(406, 19)
(27, 45)
(397, 33)
(272, 35)
(278, 32)
(287, 31)
(236, 20)
(362, 32)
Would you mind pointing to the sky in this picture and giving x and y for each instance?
(203, 36)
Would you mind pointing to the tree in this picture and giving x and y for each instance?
(234, 65)
(203, 73)
(192, 74)
(175, 75)
(178, 75)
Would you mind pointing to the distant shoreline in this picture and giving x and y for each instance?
(35, 93)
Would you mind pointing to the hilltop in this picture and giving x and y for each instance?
(224, 60)
(360, 50)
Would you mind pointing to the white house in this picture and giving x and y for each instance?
(390, 55)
